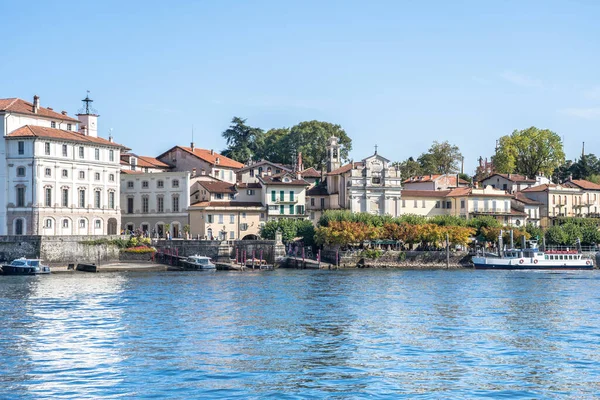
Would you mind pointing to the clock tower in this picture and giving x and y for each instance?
(333, 154)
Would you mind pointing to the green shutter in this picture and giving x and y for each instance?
(273, 198)
(281, 195)
(291, 209)
(291, 195)
(281, 209)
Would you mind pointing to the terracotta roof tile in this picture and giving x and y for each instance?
(251, 185)
(218, 187)
(539, 188)
(432, 178)
(582, 183)
(310, 173)
(59, 134)
(345, 168)
(19, 106)
(211, 157)
(513, 178)
(526, 200)
(151, 162)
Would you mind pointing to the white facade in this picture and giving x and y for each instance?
(150, 201)
(54, 180)
(284, 197)
(58, 187)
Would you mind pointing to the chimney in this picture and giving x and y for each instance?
(63, 112)
(193, 169)
(217, 161)
(212, 152)
(50, 108)
(298, 175)
(36, 103)
(84, 130)
(192, 146)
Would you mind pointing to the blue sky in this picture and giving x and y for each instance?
(393, 73)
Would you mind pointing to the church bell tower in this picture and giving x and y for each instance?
(333, 154)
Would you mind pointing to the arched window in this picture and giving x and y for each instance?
(209, 233)
(48, 223)
(82, 223)
(65, 223)
(98, 224)
(19, 227)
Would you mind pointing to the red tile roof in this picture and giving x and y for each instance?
(130, 172)
(526, 200)
(151, 162)
(346, 168)
(539, 188)
(582, 183)
(467, 191)
(19, 106)
(251, 185)
(265, 162)
(59, 134)
(218, 187)
(310, 173)
(211, 157)
(513, 178)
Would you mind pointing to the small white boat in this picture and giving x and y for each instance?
(533, 258)
(25, 266)
(198, 262)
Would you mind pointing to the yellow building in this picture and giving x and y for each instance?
(226, 211)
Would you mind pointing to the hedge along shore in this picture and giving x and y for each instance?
(401, 260)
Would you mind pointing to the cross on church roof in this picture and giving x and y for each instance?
(375, 149)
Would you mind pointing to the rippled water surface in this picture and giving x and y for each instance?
(301, 334)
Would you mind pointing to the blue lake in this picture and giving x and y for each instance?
(301, 334)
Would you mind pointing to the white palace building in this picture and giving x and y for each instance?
(57, 177)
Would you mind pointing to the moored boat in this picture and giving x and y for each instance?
(533, 258)
(198, 262)
(25, 266)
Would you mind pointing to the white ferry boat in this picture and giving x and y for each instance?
(533, 258)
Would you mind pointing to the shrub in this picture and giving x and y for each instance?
(372, 254)
(139, 250)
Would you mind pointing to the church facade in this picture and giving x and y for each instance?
(371, 185)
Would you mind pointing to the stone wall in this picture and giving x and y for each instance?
(63, 250)
(12, 247)
(58, 250)
(210, 248)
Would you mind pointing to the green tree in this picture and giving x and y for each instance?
(274, 148)
(243, 141)
(529, 152)
(556, 235)
(310, 138)
(287, 226)
(409, 167)
(441, 158)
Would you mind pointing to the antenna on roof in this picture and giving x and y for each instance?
(192, 144)
(110, 136)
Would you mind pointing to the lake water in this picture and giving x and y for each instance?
(301, 334)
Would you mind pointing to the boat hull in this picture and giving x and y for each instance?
(533, 267)
(20, 270)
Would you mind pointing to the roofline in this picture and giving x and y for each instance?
(109, 144)
(68, 119)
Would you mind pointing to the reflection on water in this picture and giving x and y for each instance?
(446, 334)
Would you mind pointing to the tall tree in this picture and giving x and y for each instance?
(442, 158)
(529, 152)
(310, 138)
(243, 141)
(274, 146)
(409, 167)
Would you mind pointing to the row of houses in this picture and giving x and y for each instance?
(61, 178)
